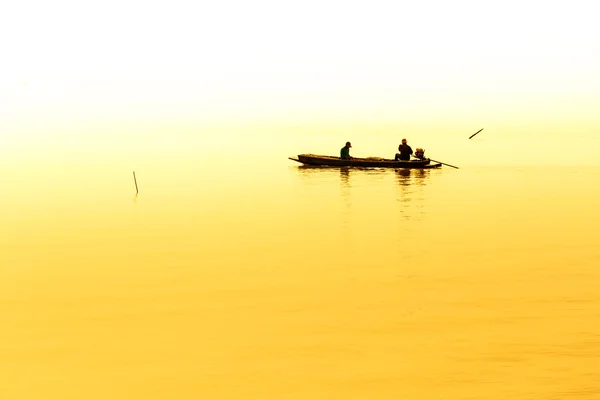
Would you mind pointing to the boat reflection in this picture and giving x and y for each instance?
(416, 176)
(345, 176)
(405, 176)
(377, 184)
(411, 188)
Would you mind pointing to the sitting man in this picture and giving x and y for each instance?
(345, 152)
(405, 151)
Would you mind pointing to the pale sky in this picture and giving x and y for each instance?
(131, 60)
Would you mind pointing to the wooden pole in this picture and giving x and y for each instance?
(443, 163)
(475, 133)
(135, 181)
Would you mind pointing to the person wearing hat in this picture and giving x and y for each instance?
(345, 152)
(405, 151)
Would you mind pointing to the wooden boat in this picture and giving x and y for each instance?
(330, 161)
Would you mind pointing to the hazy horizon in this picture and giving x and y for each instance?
(82, 76)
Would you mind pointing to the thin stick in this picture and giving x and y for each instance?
(475, 133)
(453, 166)
(135, 180)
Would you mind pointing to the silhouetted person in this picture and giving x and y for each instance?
(345, 152)
(404, 152)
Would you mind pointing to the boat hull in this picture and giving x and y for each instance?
(329, 161)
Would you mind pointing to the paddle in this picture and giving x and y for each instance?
(420, 159)
(443, 163)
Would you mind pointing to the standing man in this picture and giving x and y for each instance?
(345, 152)
(405, 152)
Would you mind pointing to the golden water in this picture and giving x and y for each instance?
(234, 278)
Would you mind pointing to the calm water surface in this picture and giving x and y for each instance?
(269, 280)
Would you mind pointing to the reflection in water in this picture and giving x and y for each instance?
(409, 180)
(417, 176)
(346, 199)
(412, 182)
(309, 170)
(345, 176)
(421, 175)
(314, 171)
(406, 176)
(403, 176)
